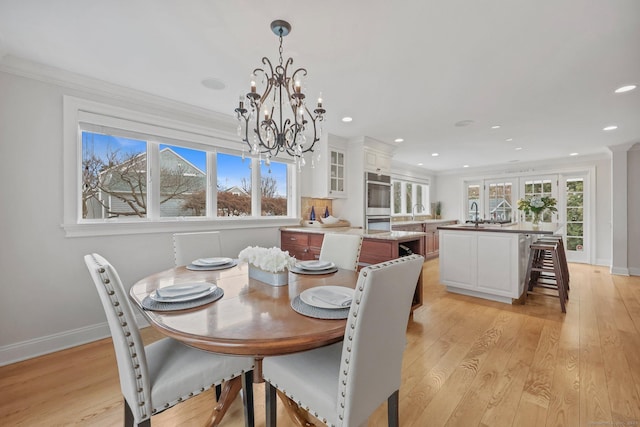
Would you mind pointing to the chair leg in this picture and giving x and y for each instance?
(129, 420)
(393, 418)
(247, 398)
(270, 404)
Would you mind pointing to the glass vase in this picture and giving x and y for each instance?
(537, 216)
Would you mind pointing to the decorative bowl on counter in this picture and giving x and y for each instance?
(330, 220)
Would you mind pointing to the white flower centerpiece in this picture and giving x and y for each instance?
(269, 265)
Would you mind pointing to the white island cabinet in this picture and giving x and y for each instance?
(487, 262)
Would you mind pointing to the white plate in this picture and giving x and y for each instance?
(315, 265)
(324, 296)
(211, 262)
(183, 292)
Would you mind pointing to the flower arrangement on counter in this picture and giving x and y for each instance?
(273, 260)
(537, 205)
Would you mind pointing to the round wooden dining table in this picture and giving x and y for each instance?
(251, 319)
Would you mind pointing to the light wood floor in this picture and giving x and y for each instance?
(468, 362)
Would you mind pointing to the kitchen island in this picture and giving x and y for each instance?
(304, 243)
(489, 260)
(430, 228)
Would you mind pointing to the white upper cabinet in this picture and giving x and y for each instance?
(377, 161)
(326, 176)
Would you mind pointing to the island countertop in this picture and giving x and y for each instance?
(518, 227)
(368, 234)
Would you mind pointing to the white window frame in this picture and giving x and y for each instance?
(161, 130)
(426, 201)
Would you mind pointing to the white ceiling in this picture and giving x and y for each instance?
(544, 70)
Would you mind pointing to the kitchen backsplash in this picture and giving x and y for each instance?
(319, 207)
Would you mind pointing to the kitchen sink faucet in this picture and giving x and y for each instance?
(413, 215)
(475, 217)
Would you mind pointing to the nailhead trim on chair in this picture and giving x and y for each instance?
(106, 280)
(134, 354)
(343, 379)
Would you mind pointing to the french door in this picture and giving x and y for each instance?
(575, 214)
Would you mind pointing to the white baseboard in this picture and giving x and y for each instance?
(634, 271)
(603, 262)
(621, 271)
(24, 350)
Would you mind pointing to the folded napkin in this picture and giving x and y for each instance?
(183, 290)
(332, 298)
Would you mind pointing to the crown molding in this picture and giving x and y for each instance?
(57, 76)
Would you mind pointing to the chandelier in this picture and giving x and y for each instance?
(279, 118)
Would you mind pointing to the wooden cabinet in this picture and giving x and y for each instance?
(432, 238)
(306, 246)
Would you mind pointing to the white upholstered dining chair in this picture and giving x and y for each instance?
(341, 249)
(156, 377)
(343, 383)
(190, 246)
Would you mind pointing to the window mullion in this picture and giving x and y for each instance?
(153, 180)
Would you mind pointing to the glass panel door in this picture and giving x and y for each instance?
(499, 200)
(575, 217)
(540, 186)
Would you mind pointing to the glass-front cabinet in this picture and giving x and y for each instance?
(325, 174)
(336, 172)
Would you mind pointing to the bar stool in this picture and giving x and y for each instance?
(561, 253)
(544, 270)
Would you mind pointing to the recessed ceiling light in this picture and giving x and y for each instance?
(495, 127)
(465, 166)
(347, 119)
(574, 154)
(435, 154)
(509, 139)
(518, 148)
(420, 164)
(612, 127)
(398, 140)
(514, 161)
(463, 123)
(213, 83)
(624, 89)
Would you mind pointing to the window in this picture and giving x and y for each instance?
(124, 167)
(575, 214)
(409, 197)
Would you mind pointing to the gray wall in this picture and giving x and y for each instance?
(633, 207)
(47, 299)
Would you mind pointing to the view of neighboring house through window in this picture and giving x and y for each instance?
(114, 176)
(500, 201)
(183, 181)
(473, 196)
(233, 185)
(115, 180)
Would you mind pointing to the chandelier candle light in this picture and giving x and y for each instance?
(283, 122)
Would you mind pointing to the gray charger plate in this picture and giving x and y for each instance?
(212, 267)
(305, 309)
(298, 270)
(151, 304)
